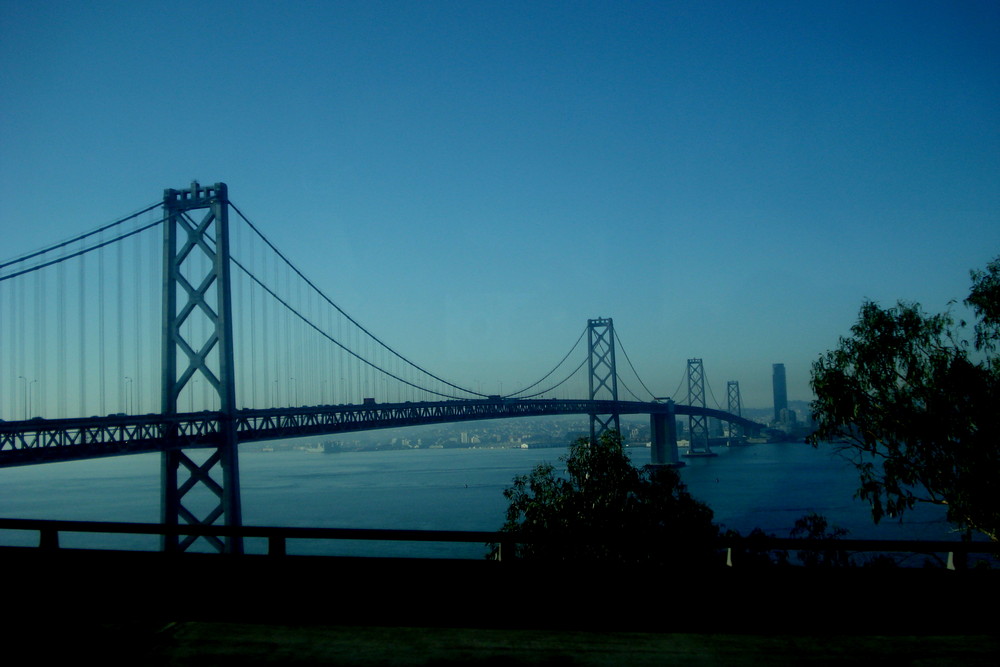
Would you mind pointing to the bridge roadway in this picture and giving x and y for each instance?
(48, 440)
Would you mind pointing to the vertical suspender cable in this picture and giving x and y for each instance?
(17, 352)
(17, 323)
(82, 379)
(299, 382)
(265, 343)
(288, 345)
(119, 378)
(61, 341)
(41, 338)
(341, 389)
(5, 371)
(351, 395)
(239, 317)
(253, 338)
(137, 317)
(7, 409)
(101, 341)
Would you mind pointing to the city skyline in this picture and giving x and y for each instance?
(472, 183)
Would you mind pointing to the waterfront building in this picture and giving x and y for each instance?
(780, 391)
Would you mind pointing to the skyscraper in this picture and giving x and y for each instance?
(780, 390)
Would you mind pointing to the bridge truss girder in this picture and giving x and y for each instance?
(50, 440)
(603, 375)
(190, 246)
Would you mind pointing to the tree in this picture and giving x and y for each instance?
(815, 527)
(915, 407)
(607, 510)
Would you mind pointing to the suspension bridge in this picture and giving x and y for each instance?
(172, 330)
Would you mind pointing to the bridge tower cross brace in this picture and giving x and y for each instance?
(196, 286)
(698, 424)
(603, 376)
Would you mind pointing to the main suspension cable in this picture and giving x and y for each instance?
(677, 391)
(75, 239)
(349, 318)
(335, 341)
(558, 384)
(622, 346)
(622, 383)
(712, 393)
(75, 254)
(561, 361)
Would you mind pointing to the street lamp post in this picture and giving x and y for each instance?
(24, 396)
(128, 394)
(191, 392)
(28, 415)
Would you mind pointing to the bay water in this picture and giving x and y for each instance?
(767, 486)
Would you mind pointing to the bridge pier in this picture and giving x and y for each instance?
(663, 438)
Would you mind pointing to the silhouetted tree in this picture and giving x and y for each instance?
(607, 510)
(916, 407)
(815, 526)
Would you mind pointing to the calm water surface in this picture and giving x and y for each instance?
(769, 486)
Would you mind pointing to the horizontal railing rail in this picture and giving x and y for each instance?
(277, 538)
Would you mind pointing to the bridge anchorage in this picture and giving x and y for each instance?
(200, 480)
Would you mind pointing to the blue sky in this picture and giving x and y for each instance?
(473, 180)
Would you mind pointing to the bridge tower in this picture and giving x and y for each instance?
(603, 377)
(197, 342)
(734, 407)
(697, 424)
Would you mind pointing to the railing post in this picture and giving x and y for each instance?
(505, 546)
(276, 545)
(48, 538)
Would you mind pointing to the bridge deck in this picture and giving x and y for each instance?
(44, 440)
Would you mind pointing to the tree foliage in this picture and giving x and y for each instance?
(916, 407)
(815, 527)
(606, 510)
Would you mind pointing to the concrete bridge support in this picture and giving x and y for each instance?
(663, 442)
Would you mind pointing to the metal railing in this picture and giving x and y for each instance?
(277, 539)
